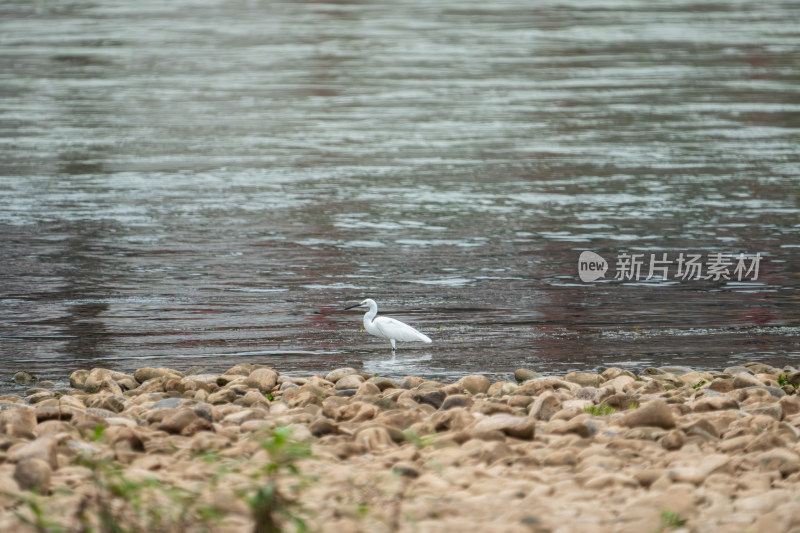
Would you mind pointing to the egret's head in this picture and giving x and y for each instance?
(369, 302)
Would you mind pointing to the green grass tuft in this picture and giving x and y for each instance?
(116, 503)
(419, 441)
(599, 410)
(670, 518)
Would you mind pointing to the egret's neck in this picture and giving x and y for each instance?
(369, 316)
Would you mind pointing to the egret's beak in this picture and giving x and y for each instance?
(352, 307)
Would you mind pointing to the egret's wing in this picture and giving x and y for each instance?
(394, 329)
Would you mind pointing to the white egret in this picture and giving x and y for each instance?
(386, 327)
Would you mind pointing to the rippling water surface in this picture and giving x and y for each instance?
(208, 182)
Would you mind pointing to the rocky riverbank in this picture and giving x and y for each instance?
(668, 450)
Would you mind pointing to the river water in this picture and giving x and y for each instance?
(208, 182)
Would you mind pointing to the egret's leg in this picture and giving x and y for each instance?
(394, 348)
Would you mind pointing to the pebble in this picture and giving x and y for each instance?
(222, 396)
(653, 413)
(519, 427)
(578, 425)
(350, 381)
(673, 440)
(24, 378)
(501, 388)
(44, 447)
(714, 403)
(564, 457)
(545, 406)
(264, 379)
(384, 383)
(474, 384)
(524, 374)
(585, 379)
(335, 375)
(456, 400)
(17, 421)
(411, 382)
(721, 385)
(144, 374)
(434, 398)
(406, 469)
(77, 379)
(614, 372)
(368, 389)
(780, 460)
(323, 426)
(178, 421)
(241, 369)
(745, 379)
(33, 474)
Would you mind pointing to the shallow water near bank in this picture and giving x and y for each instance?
(211, 182)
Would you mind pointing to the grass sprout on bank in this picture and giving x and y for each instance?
(270, 506)
(783, 381)
(599, 410)
(670, 518)
(114, 501)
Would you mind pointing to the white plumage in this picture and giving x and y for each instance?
(386, 327)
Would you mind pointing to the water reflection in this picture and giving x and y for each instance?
(84, 328)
